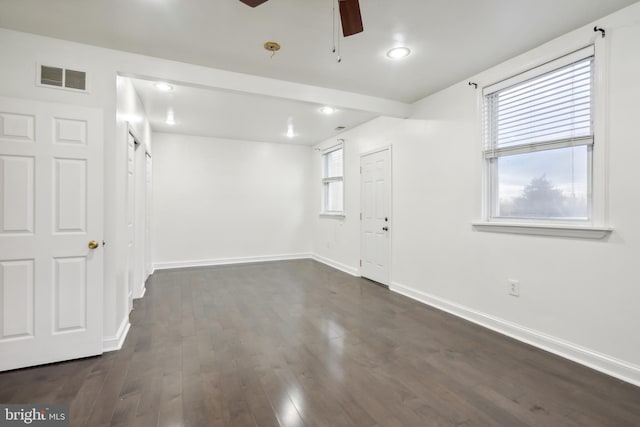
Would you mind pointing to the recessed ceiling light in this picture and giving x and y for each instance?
(163, 87)
(327, 110)
(290, 132)
(170, 119)
(398, 52)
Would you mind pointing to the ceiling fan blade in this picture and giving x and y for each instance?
(350, 17)
(253, 3)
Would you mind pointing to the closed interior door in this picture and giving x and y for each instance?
(51, 204)
(376, 216)
(131, 217)
(140, 220)
(147, 234)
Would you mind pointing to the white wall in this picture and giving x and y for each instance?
(21, 52)
(217, 201)
(579, 297)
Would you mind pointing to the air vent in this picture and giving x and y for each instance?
(51, 76)
(75, 79)
(63, 78)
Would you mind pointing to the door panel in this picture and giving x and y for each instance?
(70, 307)
(70, 195)
(71, 131)
(51, 195)
(18, 194)
(17, 127)
(16, 282)
(375, 207)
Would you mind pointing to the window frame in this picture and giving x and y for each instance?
(327, 180)
(491, 154)
(597, 227)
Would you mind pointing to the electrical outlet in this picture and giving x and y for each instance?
(514, 288)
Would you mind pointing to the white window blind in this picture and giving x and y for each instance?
(539, 137)
(333, 163)
(333, 180)
(550, 110)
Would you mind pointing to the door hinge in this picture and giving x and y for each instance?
(360, 263)
(360, 169)
(360, 216)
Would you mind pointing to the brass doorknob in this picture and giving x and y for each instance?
(93, 244)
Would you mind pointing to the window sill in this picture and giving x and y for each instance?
(337, 215)
(555, 230)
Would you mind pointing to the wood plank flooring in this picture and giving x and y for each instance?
(296, 343)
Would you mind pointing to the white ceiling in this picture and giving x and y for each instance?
(450, 41)
(226, 114)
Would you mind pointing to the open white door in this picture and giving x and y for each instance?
(375, 216)
(51, 212)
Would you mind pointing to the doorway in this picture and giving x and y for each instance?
(138, 183)
(375, 208)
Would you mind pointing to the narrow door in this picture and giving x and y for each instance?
(375, 221)
(51, 208)
(140, 220)
(147, 234)
(131, 215)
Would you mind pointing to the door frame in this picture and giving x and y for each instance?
(389, 148)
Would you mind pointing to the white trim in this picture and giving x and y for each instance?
(334, 215)
(377, 150)
(227, 261)
(115, 342)
(335, 147)
(600, 151)
(601, 362)
(354, 271)
(554, 230)
(144, 291)
(549, 65)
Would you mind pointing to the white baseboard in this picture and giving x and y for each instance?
(354, 271)
(227, 261)
(115, 342)
(601, 362)
(142, 292)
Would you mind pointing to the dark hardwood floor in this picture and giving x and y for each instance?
(297, 343)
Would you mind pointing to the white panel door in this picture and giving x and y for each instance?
(140, 220)
(131, 217)
(51, 198)
(375, 210)
(147, 222)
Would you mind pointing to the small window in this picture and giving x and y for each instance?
(333, 181)
(539, 140)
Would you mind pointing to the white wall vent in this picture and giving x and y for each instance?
(62, 78)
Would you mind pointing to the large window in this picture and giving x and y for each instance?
(333, 181)
(539, 140)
